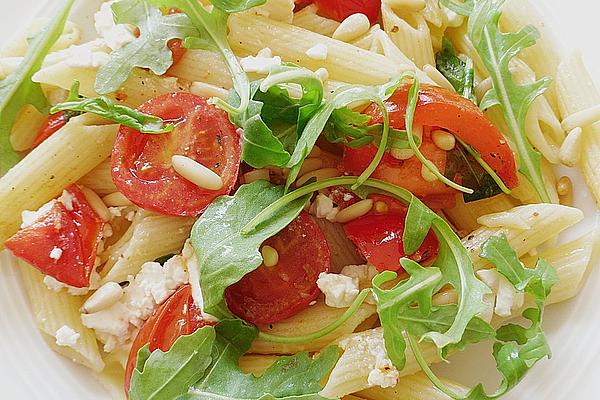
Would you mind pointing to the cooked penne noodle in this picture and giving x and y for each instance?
(99, 179)
(26, 128)
(412, 387)
(308, 19)
(464, 215)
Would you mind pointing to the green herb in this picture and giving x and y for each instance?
(346, 124)
(518, 348)
(167, 375)
(212, 35)
(458, 72)
(225, 253)
(18, 90)
(297, 377)
(497, 49)
(104, 107)
(453, 260)
(149, 50)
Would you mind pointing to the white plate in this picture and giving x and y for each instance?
(30, 370)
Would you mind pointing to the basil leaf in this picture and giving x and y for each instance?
(104, 107)
(459, 73)
(497, 49)
(149, 50)
(167, 375)
(235, 6)
(224, 253)
(297, 377)
(18, 90)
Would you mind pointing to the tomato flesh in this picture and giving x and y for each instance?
(440, 108)
(178, 315)
(141, 163)
(52, 124)
(271, 294)
(75, 231)
(341, 9)
(378, 237)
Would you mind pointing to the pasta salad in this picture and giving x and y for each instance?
(278, 199)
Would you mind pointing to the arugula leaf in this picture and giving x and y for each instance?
(104, 107)
(212, 34)
(167, 375)
(296, 377)
(458, 72)
(18, 90)
(149, 50)
(341, 98)
(224, 252)
(418, 288)
(497, 49)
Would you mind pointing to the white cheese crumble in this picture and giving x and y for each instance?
(317, 52)
(57, 286)
(323, 208)
(29, 217)
(262, 63)
(340, 290)
(56, 253)
(507, 298)
(117, 324)
(66, 336)
(67, 200)
(115, 35)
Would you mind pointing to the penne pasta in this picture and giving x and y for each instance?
(412, 387)
(99, 179)
(308, 19)
(26, 128)
(464, 215)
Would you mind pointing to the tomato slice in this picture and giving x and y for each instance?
(378, 236)
(438, 107)
(178, 315)
(53, 123)
(141, 163)
(177, 49)
(75, 230)
(270, 294)
(340, 9)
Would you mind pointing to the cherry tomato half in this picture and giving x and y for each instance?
(73, 229)
(378, 236)
(270, 294)
(52, 124)
(141, 163)
(340, 9)
(178, 315)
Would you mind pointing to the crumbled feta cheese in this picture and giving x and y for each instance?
(340, 290)
(115, 35)
(29, 217)
(117, 324)
(57, 286)
(262, 63)
(507, 298)
(347, 197)
(56, 253)
(365, 274)
(66, 336)
(53, 284)
(67, 200)
(323, 208)
(317, 52)
(91, 54)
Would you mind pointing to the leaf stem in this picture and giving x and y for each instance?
(321, 332)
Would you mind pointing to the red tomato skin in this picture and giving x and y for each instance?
(141, 163)
(340, 9)
(438, 107)
(378, 237)
(177, 316)
(271, 294)
(76, 232)
(177, 49)
(53, 123)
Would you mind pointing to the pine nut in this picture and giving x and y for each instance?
(107, 295)
(207, 90)
(427, 174)
(438, 78)
(257, 175)
(116, 199)
(381, 207)
(444, 140)
(354, 211)
(402, 154)
(196, 173)
(309, 165)
(320, 174)
(406, 5)
(96, 203)
(352, 28)
(582, 119)
(564, 187)
(570, 150)
(270, 256)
